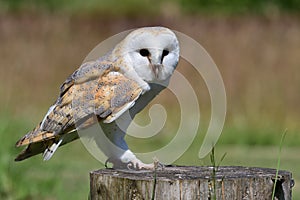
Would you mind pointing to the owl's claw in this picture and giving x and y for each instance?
(134, 164)
(117, 164)
(139, 165)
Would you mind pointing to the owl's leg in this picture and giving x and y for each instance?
(117, 151)
(116, 148)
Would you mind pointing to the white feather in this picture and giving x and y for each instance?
(49, 111)
(118, 114)
(48, 153)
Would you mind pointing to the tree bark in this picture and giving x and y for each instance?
(190, 182)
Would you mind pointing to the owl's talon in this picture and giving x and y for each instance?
(106, 162)
(159, 165)
(134, 165)
(130, 166)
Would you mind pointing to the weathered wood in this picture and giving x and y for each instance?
(180, 182)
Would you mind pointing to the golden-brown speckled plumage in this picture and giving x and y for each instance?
(79, 101)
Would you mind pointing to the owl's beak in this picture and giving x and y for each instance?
(156, 68)
(155, 64)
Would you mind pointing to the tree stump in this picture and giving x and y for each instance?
(189, 182)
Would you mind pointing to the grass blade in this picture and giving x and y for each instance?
(278, 162)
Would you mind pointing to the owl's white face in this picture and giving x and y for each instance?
(153, 52)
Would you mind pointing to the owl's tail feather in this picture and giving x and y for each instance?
(47, 147)
(36, 135)
(31, 150)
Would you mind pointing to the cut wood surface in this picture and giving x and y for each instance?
(191, 182)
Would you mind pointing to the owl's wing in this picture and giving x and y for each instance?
(95, 89)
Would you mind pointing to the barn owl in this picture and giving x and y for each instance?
(125, 79)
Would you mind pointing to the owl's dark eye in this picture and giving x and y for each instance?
(144, 52)
(164, 53)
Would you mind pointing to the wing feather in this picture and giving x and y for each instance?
(94, 89)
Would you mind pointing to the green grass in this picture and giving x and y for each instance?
(77, 7)
(215, 168)
(278, 162)
(261, 136)
(240, 6)
(146, 7)
(66, 175)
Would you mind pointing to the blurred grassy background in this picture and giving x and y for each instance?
(255, 44)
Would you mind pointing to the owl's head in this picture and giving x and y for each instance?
(153, 52)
